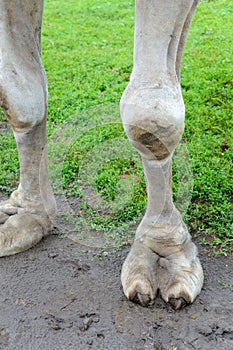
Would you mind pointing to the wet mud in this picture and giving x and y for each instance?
(62, 294)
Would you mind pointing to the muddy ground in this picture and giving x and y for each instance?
(63, 295)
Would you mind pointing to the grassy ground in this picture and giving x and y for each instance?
(87, 53)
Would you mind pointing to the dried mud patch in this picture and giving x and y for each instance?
(61, 295)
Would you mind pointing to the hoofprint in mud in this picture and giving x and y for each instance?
(162, 256)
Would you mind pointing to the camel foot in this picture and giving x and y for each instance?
(178, 277)
(24, 222)
(19, 233)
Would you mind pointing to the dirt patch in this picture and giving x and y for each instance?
(62, 295)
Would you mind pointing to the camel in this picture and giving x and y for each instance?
(162, 257)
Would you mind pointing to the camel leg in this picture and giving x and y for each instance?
(28, 214)
(162, 257)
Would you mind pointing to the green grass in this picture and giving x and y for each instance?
(87, 53)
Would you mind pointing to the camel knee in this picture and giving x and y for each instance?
(23, 86)
(153, 120)
(153, 143)
(23, 98)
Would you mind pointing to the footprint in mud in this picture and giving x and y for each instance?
(82, 323)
